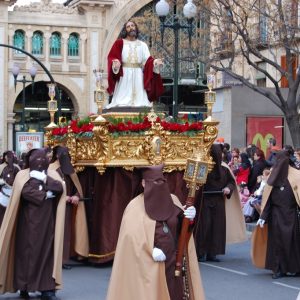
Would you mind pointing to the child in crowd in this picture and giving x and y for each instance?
(254, 202)
(234, 162)
(244, 193)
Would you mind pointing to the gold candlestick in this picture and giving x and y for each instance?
(99, 94)
(210, 97)
(52, 105)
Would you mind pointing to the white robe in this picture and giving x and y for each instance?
(129, 90)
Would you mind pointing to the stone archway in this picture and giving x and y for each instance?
(36, 115)
(123, 14)
(67, 84)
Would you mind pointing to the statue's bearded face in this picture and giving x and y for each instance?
(131, 29)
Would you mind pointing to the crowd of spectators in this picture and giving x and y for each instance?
(251, 168)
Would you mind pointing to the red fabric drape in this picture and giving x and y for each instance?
(114, 53)
(152, 81)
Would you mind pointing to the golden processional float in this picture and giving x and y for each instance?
(130, 139)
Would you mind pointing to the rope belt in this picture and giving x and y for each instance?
(132, 65)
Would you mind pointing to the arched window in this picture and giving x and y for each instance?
(73, 45)
(19, 40)
(55, 44)
(37, 43)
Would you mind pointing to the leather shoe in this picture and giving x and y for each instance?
(24, 295)
(49, 295)
(212, 258)
(202, 258)
(66, 267)
(277, 275)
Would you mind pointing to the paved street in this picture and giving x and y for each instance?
(234, 278)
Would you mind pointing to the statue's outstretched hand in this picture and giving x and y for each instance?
(157, 65)
(116, 65)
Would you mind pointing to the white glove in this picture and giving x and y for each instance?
(158, 255)
(49, 195)
(38, 175)
(261, 223)
(190, 212)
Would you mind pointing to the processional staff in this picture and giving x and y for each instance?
(195, 175)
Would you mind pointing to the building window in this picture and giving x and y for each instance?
(19, 40)
(55, 44)
(73, 45)
(37, 43)
(263, 30)
(261, 79)
(263, 23)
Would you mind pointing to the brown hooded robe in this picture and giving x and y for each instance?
(81, 239)
(16, 169)
(220, 220)
(8, 234)
(260, 235)
(135, 275)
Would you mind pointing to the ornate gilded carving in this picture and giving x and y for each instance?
(210, 132)
(71, 144)
(155, 146)
(127, 148)
(48, 138)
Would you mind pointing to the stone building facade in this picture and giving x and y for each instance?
(95, 23)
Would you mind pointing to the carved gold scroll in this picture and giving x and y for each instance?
(156, 146)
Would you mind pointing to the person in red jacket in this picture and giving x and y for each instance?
(133, 75)
(242, 173)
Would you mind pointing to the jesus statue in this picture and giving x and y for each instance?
(133, 75)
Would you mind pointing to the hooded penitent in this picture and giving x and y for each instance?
(62, 154)
(10, 170)
(30, 216)
(158, 201)
(141, 230)
(37, 160)
(216, 154)
(280, 169)
(8, 157)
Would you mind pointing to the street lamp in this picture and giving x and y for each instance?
(16, 72)
(189, 11)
